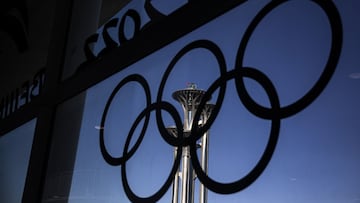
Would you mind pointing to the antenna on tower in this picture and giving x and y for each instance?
(191, 85)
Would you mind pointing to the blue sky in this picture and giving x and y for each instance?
(317, 154)
(15, 148)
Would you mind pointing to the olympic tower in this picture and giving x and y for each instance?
(190, 98)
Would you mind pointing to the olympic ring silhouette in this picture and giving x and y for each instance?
(120, 160)
(274, 113)
(274, 133)
(336, 30)
(155, 197)
(215, 50)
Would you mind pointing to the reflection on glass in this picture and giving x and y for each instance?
(316, 157)
(15, 149)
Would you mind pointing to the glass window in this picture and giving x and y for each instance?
(262, 148)
(15, 149)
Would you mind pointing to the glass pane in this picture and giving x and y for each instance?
(15, 149)
(312, 147)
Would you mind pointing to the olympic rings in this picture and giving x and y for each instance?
(274, 113)
(215, 50)
(336, 30)
(155, 197)
(108, 158)
(227, 188)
